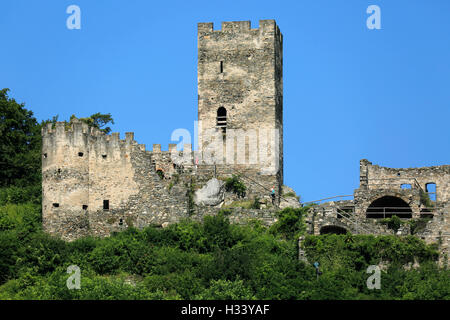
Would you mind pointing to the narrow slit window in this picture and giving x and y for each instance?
(105, 204)
(120, 221)
(221, 66)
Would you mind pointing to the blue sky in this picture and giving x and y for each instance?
(349, 92)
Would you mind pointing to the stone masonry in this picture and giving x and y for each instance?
(422, 194)
(95, 184)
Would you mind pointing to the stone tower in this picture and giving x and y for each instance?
(65, 179)
(240, 96)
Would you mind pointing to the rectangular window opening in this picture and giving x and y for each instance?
(80, 154)
(85, 207)
(105, 204)
(221, 66)
(430, 189)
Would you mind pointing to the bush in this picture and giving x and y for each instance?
(19, 195)
(290, 224)
(226, 290)
(235, 185)
(24, 218)
(393, 223)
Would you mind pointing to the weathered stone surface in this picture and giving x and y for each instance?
(289, 198)
(356, 216)
(212, 194)
(95, 184)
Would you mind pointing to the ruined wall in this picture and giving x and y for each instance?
(240, 69)
(377, 181)
(377, 177)
(82, 168)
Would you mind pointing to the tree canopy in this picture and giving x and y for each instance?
(20, 143)
(97, 120)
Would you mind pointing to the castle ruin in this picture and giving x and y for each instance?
(95, 184)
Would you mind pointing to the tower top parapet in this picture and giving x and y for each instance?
(238, 26)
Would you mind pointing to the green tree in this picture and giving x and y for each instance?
(290, 223)
(97, 120)
(20, 144)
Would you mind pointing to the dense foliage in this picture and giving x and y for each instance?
(20, 144)
(191, 260)
(210, 260)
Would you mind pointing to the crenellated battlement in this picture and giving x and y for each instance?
(238, 27)
(64, 139)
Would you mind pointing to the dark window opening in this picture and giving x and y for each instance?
(430, 189)
(221, 66)
(426, 213)
(80, 154)
(160, 173)
(388, 206)
(120, 221)
(59, 170)
(105, 204)
(332, 230)
(398, 174)
(85, 207)
(222, 118)
(45, 155)
(104, 156)
(405, 186)
(56, 205)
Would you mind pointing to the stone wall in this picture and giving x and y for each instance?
(82, 168)
(378, 177)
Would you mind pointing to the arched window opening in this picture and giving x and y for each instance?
(332, 230)
(388, 206)
(222, 118)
